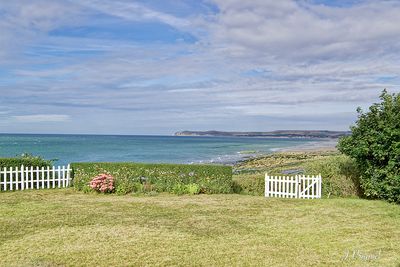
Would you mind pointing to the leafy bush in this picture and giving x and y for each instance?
(26, 160)
(374, 144)
(340, 175)
(103, 183)
(249, 184)
(179, 189)
(192, 189)
(157, 177)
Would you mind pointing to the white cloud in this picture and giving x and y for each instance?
(24, 22)
(133, 11)
(264, 59)
(42, 118)
(298, 30)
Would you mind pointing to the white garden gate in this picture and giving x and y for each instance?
(298, 186)
(21, 178)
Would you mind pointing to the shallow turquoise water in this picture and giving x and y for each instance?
(171, 149)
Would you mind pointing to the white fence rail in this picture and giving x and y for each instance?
(34, 177)
(299, 186)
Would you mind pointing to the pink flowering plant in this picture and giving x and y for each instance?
(103, 183)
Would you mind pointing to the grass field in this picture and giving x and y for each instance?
(69, 228)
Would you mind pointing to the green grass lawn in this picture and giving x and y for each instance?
(68, 228)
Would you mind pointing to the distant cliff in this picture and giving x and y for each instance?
(273, 134)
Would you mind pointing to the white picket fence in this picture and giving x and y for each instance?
(34, 178)
(299, 186)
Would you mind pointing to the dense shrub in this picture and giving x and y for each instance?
(340, 175)
(249, 184)
(375, 146)
(141, 177)
(26, 160)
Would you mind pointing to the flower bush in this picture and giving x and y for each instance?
(103, 183)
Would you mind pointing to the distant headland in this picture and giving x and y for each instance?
(273, 134)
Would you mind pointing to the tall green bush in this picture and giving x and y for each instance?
(159, 177)
(340, 175)
(26, 160)
(375, 145)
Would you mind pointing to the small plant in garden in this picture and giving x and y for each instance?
(103, 183)
(179, 189)
(193, 189)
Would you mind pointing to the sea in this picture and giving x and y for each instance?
(64, 149)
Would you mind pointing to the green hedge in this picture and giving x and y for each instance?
(17, 162)
(142, 177)
(340, 176)
(27, 161)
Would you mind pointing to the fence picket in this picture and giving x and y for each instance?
(31, 177)
(319, 186)
(5, 179)
(54, 177)
(12, 179)
(68, 174)
(279, 186)
(48, 177)
(37, 177)
(26, 178)
(22, 178)
(63, 176)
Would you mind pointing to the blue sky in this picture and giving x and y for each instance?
(156, 67)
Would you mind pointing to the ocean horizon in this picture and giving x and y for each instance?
(67, 148)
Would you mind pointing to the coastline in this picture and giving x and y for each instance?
(154, 149)
(312, 147)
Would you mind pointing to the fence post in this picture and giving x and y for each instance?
(266, 192)
(31, 177)
(48, 177)
(16, 178)
(37, 177)
(5, 179)
(68, 174)
(59, 177)
(296, 188)
(54, 177)
(11, 179)
(319, 185)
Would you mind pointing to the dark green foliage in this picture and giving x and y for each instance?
(375, 146)
(141, 177)
(26, 160)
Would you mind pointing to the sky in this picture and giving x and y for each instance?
(159, 66)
